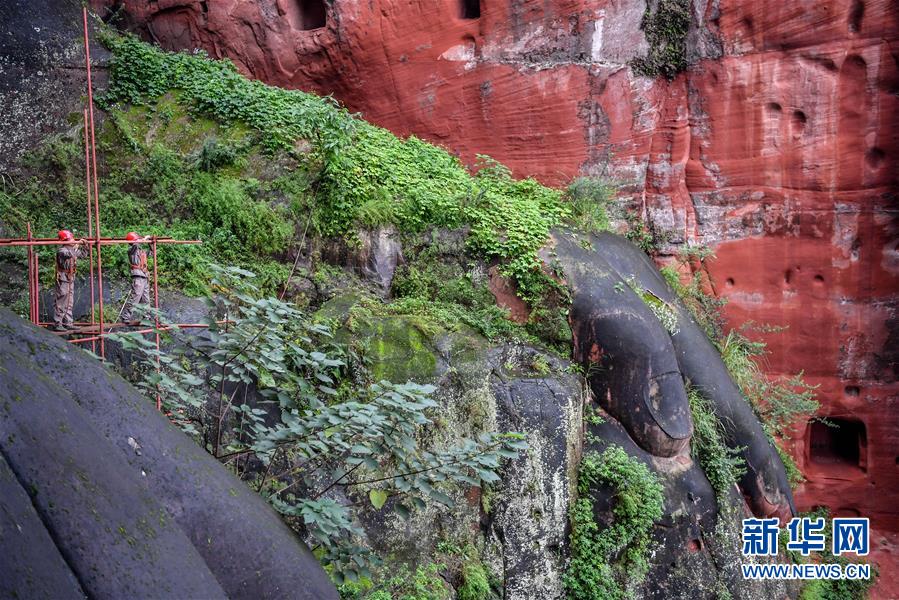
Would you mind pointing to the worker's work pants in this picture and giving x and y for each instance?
(140, 294)
(65, 298)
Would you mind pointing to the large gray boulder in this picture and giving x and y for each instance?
(103, 497)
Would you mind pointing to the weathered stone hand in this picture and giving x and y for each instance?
(637, 368)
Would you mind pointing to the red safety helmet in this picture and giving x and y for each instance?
(132, 236)
(65, 235)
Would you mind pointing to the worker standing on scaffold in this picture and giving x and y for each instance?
(66, 260)
(140, 285)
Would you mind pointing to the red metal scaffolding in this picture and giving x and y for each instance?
(96, 330)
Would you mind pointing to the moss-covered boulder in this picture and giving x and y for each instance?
(515, 530)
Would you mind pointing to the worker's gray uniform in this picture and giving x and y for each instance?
(66, 260)
(140, 285)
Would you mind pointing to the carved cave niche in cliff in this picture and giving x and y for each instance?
(838, 446)
(306, 15)
(856, 14)
(470, 9)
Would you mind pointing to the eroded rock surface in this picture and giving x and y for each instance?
(520, 527)
(42, 72)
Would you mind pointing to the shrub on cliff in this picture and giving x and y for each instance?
(665, 24)
(334, 443)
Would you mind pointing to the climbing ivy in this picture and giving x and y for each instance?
(665, 24)
(140, 73)
(607, 561)
(365, 175)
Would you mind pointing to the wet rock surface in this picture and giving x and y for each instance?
(42, 72)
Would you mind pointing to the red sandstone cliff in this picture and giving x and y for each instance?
(777, 147)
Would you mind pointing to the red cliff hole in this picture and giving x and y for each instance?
(856, 13)
(470, 9)
(852, 390)
(729, 281)
(874, 157)
(799, 120)
(856, 63)
(838, 444)
(310, 14)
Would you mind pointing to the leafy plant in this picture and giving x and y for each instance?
(705, 308)
(139, 72)
(665, 23)
(367, 176)
(721, 464)
(332, 434)
(449, 295)
(642, 233)
(663, 311)
(424, 584)
(779, 402)
(589, 198)
(475, 585)
(214, 155)
(607, 561)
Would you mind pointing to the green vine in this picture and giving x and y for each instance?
(606, 562)
(721, 464)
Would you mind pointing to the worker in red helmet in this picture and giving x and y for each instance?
(66, 261)
(140, 285)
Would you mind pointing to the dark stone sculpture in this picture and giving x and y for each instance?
(637, 369)
(102, 496)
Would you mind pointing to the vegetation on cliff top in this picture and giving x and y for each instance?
(359, 174)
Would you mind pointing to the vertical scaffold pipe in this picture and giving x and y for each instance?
(90, 103)
(90, 221)
(32, 311)
(156, 320)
